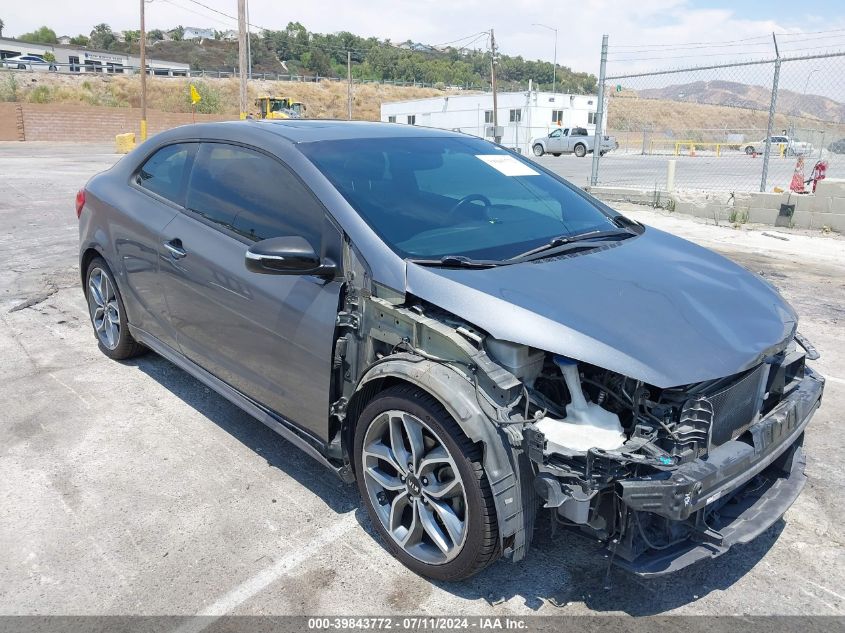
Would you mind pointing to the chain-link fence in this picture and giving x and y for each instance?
(707, 127)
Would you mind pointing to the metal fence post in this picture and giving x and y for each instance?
(770, 126)
(594, 174)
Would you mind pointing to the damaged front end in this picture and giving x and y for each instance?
(664, 476)
(695, 469)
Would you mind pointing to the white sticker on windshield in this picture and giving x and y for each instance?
(507, 165)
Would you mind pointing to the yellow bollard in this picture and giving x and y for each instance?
(124, 143)
(677, 149)
(718, 150)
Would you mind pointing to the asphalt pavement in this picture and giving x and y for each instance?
(130, 488)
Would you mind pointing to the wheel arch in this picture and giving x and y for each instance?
(459, 398)
(85, 260)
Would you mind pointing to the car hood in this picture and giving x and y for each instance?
(655, 308)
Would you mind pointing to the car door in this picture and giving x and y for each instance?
(553, 143)
(269, 336)
(155, 196)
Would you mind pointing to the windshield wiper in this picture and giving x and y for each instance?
(565, 240)
(456, 261)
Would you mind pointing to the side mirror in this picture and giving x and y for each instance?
(287, 255)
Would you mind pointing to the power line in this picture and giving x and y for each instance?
(747, 39)
(204, 15)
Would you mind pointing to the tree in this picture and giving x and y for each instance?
(131, 37)
(44, 35)
(178, 33)
(2, 24)
(320, 63)
(102, 37)
(80, 40)
(48, 56)
(156, 35)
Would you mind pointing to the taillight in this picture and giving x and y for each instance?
(80, 202)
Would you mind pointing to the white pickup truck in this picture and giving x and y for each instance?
(574, 140)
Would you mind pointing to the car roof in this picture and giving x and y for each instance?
(311, 130)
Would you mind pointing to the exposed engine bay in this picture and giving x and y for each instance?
(662, 476)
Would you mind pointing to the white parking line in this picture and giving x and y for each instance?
(834, 379)
(249, 588)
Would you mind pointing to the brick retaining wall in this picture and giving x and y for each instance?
(80, 123)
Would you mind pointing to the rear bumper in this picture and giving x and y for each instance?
(774, 457)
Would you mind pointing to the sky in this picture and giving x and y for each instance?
(644, 34)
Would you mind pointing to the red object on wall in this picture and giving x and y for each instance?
(819, 173)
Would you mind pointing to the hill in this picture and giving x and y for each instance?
(738, 95)
(326, 99)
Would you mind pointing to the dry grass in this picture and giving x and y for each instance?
(627, 112)
(220, 96)
(693, 121)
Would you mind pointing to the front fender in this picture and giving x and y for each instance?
(458, 395)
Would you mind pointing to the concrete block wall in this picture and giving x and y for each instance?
(825, 208)
(84, 123)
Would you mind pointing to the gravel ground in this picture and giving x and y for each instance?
(129, 488)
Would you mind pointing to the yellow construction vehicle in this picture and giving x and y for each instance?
(279, 108)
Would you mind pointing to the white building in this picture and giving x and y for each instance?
(78, 59)
(522, 115)
(195, 33)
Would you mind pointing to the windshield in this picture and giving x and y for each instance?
(429, 198)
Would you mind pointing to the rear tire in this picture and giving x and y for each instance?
(580, 150)
(436, 493)
(749, 150)
(107, 313)
(538, 150)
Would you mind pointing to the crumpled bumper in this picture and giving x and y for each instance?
(774, 457)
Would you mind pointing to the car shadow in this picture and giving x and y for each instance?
(277, 451)
(561, 569)
(570, 569)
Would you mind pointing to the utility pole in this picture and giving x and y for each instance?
(248, 43)
(349, 85)
(493, 61)
(599, 133)
(242, 61)
(143, 75)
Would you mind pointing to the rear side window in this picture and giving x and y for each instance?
(252, 194)
(164, 171)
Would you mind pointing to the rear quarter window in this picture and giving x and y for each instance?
(164, 172)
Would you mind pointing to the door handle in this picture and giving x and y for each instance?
(175, 249)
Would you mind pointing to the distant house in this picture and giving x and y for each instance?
(64, 40)
(194, 33)
(230, 36)
(417, 47)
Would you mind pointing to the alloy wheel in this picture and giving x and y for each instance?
(415, 487)
(105, 312)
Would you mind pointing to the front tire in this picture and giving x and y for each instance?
(580, 150)
(538, 150)
(749, 150)
(424, 487)
(108, 315)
